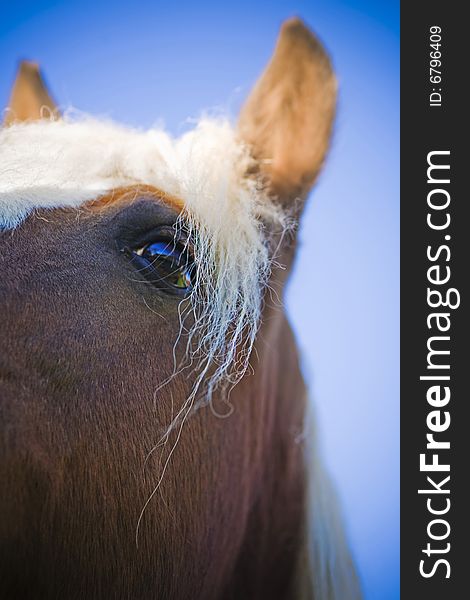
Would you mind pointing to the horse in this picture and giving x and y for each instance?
(155, 432)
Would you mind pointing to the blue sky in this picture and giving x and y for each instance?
(165, 62)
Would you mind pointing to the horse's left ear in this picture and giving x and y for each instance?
(287, 120)
(30, 99)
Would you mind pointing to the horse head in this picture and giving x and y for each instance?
(152, 403)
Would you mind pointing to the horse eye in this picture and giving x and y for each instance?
(165, 264)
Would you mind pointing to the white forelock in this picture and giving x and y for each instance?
(51, 164)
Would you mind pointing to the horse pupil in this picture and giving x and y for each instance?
(170, 261)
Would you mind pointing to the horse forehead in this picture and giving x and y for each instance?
(126, 195)
(118, 198)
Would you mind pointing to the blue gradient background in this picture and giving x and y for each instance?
(138, 63)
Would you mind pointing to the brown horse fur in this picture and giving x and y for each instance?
(85, 341)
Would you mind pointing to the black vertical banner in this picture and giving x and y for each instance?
(435, 348)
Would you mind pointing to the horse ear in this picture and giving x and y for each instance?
(287, 119)
(30, 99)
